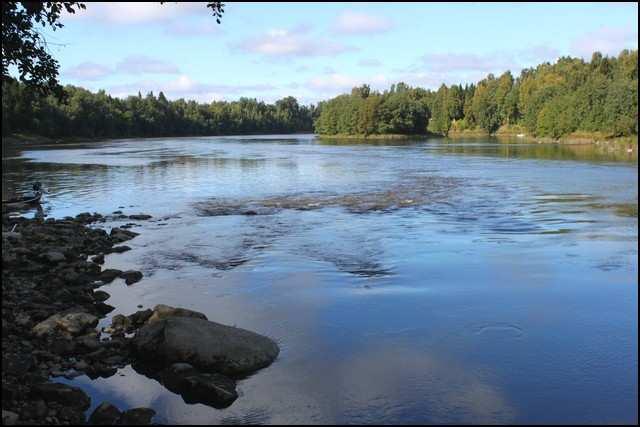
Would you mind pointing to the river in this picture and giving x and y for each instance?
(459, 281)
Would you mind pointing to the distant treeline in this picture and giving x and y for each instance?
(550, 100)
(82, 113)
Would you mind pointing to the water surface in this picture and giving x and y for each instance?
(425, 282)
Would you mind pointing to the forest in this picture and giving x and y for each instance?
(81, 113)
(551, 100)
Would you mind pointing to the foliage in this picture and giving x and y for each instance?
(96, 115)
(551, 100)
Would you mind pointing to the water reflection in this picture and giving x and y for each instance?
(417, 282)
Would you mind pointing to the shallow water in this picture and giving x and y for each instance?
(427, 282)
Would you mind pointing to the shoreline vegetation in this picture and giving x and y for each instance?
(569, 101)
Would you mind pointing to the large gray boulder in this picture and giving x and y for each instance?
(206, 345)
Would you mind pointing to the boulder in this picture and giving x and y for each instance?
(109, 275)
(131, 276)
(70, 324)
(206, 345)
(137, 417)
(54, 257)
(162, 311)
(118, 235)
(105, 415)
(213, 390)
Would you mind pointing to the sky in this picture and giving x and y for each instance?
(314, 51)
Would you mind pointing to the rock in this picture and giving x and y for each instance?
(208, 346)
(162, 311)
(71, 324)
(17, 364)
(140, 217)
(109, 275)
(63, 394)
(101, 296)
(196, 387)
(54, 257)
(98, 259)
(137, 417)
(131, 276)
(118, 235)
(105, 415)
(120, 249)
(120, 324)
(140, 317)
(9, 418)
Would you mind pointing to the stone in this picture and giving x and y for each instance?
(162, 311)
(105, 415)
(98, 259)
(109, 275)
(210, 389)
(118, 235)
(100, 296)
(63, 394)
(208, 346)
(54, 257)
(120, 249)
(137, 417)
(70, 324)
(140, 217)
(131, 276)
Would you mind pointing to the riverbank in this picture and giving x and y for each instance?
(575, 138)
(51, 305)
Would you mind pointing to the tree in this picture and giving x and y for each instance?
(24, 47)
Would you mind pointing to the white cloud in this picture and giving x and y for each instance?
(141, 64)
(88, 71)
(283, 43)
(606, 40)
(184, 86)
(338, 81)
(350, 22)
(136, 12)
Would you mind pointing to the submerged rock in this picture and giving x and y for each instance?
(208, 346)
(131, 276)
(118, 235)
(214, 390)
(137, 417)
(140, 217)
(105, 414)
(63, 394)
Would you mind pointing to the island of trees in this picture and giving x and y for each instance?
(597, 97)
(550, 100)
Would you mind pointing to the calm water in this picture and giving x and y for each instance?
(430, 282)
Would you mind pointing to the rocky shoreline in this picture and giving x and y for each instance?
(51, 305)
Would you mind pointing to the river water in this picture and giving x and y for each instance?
(424, 282)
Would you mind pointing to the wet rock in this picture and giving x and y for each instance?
(119, 324)
(98, 259)
(140, 317)
(120, 249)
(196, 387)
(63, 394)
(140, 217)
(119, 235)
(131, 276)
(208, 346)
(162, 311)
(109, 275)
(105, 415)
(137, 417)
(101, 296)
(71, 324)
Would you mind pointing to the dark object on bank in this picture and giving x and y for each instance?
(31, 198)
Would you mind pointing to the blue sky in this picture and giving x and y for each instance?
(314, 51)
